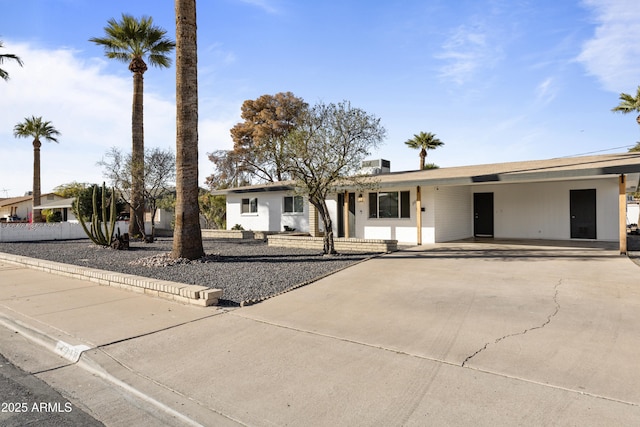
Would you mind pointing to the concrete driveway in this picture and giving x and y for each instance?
(481, 334)
(544, 335)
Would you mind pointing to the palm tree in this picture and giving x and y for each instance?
(36, 128)
(629, 104)
(187, 236)
(131, 41)
(424, 141)
(3, 74)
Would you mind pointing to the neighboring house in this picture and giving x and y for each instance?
(269, 207)
(65, 206)
(563, 198)
(22, 207)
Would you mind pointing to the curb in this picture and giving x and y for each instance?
(78, 355)
(179, 292)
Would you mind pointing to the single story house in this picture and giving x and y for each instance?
(559, 199)
(22, 207)
(65, 206)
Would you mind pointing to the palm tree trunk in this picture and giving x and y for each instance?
(423, 156)
(137, 153)
(187, 236)
(36, 215)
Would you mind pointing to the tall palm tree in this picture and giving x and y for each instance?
(187, 236)
(131, 41)
(3, 74)
(629, 104)
(35, 128)
(424, 141)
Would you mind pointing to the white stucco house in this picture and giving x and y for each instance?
(558, 199)
(22, 207)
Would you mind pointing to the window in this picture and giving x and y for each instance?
(389, 204)
(293, 204)
(250, 205)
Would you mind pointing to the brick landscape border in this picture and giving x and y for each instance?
(179, 292)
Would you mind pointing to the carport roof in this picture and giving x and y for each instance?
(525, 171)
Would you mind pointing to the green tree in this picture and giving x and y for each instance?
(214, 210)
(629, 104)
(131, 40)
(325, 150)
(187, 236)
(72, 189)
(258, 141)
(424, 141)
(6, 56)
(34, 127)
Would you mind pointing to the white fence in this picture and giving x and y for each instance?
(26, 232)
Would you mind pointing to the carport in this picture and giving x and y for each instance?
(572, 199)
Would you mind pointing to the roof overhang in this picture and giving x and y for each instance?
(57, 204)
(558, 169)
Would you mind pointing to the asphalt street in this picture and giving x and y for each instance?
(27, 400)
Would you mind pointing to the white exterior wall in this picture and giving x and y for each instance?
(521, 211)
(541, 210)
(446, 217)
(453, 210)
(332, 207)
(633, 211)
(429, 215)
(23, 210)
(270, 216)
(401, 229)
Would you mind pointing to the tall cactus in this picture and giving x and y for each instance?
(96, 233)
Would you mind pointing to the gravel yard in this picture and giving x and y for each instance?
(246, 270)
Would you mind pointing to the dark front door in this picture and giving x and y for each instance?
(583, 214)
(352, 215)
(340, 215)
(483, 214)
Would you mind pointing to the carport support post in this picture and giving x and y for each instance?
(419, 214)
(622, 211)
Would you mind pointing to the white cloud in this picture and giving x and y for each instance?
(265, 5)
(466, 51)
(92, 110)
(613, 53)
(545, 92)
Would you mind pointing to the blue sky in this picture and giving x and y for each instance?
(495, 80)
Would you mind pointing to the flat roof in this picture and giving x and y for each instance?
(524, 171)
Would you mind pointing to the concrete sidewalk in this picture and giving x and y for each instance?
(449, 334)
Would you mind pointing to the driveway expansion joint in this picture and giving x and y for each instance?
(545, 323)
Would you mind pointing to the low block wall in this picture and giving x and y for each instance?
(227, 234)
(29, 232)
(236, 234)
(341, 244)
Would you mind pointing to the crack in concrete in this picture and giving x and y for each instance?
(545, 323)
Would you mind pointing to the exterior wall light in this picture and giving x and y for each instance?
(360, 198)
